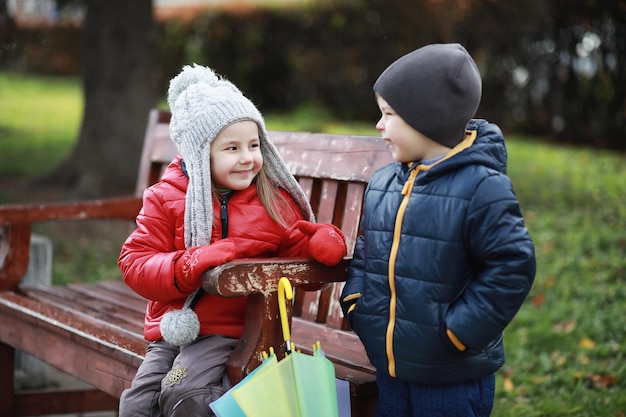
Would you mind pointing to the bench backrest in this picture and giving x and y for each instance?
(333, 171)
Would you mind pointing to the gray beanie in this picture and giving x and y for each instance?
(436, 89)
(202, 106)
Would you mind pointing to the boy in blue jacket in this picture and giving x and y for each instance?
(444, 261)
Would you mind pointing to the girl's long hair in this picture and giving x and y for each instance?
(274, 201)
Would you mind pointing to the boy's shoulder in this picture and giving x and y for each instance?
(386, 171)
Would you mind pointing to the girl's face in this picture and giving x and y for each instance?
(236, 156)
(405, 143)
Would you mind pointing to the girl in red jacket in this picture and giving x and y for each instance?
(227, 195)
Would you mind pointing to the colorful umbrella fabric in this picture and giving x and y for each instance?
(299, 385)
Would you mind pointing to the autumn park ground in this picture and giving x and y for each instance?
(566, 348)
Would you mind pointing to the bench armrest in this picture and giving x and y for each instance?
(258, 280)
(243, 277)
(16, 222)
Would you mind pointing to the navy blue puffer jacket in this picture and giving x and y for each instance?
(450, 253)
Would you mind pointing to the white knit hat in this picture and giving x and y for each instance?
(202, 106)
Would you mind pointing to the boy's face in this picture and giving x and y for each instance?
(236, 156)
(405, 143)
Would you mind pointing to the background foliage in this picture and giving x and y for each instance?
(550, 67)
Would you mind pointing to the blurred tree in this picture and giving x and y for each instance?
(588, 77)
(7, 29)
(553, 68)
(120, 85)
(558, 67)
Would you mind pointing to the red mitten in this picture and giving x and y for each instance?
(327, 244)
(188, 269)
(194, 262)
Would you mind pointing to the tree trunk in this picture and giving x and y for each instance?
(120, 85)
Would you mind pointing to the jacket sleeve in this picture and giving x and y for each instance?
(147, 256)
(189, 268)
(504, 259)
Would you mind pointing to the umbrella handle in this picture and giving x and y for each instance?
(285, 291)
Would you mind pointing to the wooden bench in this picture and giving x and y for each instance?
(94, 331)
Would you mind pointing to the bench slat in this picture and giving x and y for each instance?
(342, 347)
(107, 359)
(101, 306)
(335, 156)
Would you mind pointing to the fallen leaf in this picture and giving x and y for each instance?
(564, 327)
(601, 380)
(538, 300)
(508, 385)
(539, 380)
(586, 343)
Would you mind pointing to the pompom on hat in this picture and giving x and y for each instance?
(203, 104)
(436, 89)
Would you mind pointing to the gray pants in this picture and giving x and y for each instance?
(179, 382)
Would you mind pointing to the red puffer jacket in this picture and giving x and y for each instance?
(148, 255)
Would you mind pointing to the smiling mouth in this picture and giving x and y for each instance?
(243, 173)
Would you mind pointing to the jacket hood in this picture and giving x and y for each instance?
(175, 174)
(487, 149)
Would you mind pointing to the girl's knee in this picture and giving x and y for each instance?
(180, 399)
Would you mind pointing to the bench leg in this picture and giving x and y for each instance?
(45, 401)
(7, 363)
(363, 406)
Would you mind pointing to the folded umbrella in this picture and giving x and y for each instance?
(226, 405)
(299, 385)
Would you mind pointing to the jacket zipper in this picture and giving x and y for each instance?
(223, 199)
(406, 192)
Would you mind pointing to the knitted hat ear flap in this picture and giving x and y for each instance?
(199, 200)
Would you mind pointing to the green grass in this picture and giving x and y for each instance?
(566, 349)
(39, 122)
